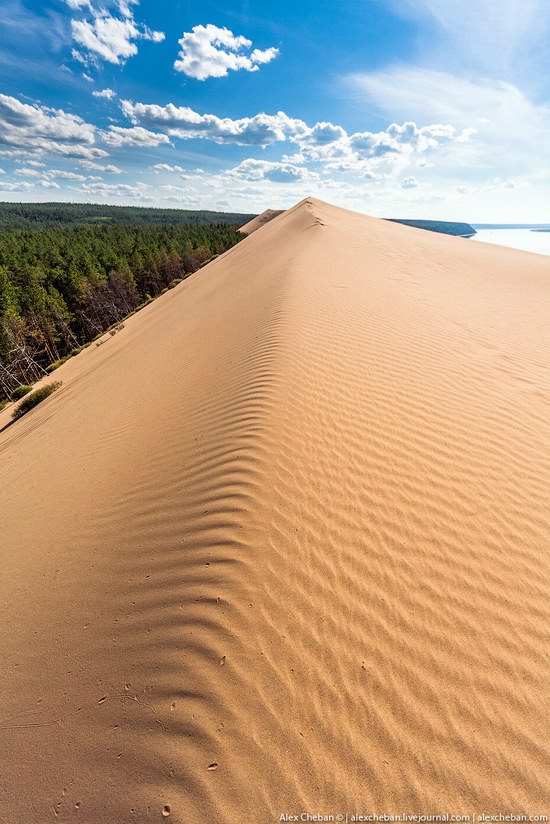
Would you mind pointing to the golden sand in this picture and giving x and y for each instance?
(280, 545)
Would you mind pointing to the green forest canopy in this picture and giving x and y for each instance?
(41, 215)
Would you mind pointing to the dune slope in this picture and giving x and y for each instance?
(281, 544)
(260, 221)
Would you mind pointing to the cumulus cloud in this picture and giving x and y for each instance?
(135, 136)
(19, 155)
(22, 186)
(409, 183)
(118, 190)
(33, 129)
(165, 167)
(181, 121)
(49, 184)
(324, 143)
(109, 37)
(43, 122)
(210, 51)
(46, 174)
(107, 94)
(322, 134)
(498, 52)
(37, 129)
(510, 129)
(63, 175)
(75, 151)
(108, 168)
(405, 139)
(28, 172)
(276, 172)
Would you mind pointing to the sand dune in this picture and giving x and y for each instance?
(259, 221)
(280, 546)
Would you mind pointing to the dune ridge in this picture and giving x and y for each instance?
(260, 221)
(281, 544)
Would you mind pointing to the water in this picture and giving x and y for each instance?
(516, 238)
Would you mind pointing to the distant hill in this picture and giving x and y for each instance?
(442, 226)
(44, 215)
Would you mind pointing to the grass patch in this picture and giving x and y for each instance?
(56, 364)
(3, 405)
(20, 392)
(34, 399)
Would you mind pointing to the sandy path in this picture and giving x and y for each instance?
(292, 521)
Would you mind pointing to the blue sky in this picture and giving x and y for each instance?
(411, 108)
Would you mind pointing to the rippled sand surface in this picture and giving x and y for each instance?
(281, 544)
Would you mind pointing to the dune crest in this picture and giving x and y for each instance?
(281, 544)
(260, 220)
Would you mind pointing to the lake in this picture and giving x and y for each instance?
(516, 238)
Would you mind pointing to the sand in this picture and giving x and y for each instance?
(260, 220)
(280, 545)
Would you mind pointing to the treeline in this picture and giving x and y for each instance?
(445, 227)
(62, 287)
(42, 215)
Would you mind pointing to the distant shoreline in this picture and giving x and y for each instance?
(442, 226)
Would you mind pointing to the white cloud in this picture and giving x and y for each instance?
(276, 172)
(49, 184)
(487, 186)
(63, 175)
(108, 37)
(165, 167)
(28, 172)
(22, 186)
(38, 129)
(19, 155)
(210, 51)
(135, 136)
(479, 65)
(116, 190)
(323, 134)
(124, 6)
(181, 121)
(109, 168)
(511, 130)
(324, 143)
(49, 173)
(75, 151)
(409, 183)
(78, 4)
(36, 163)
(509, 141)
(2, 172)
(391, 150)
(107, 94)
